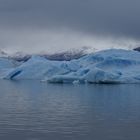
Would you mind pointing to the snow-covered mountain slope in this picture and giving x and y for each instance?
(109, 66)
(3, 54)
(59, 56)
(20, 56)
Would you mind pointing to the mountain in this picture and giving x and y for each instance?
(61, 56)
(3, 54)
(20, 56)
(137, 49)
(68, 55)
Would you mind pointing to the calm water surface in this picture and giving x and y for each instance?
(30, 110)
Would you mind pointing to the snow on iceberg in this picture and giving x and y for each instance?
(108, 66)
(39, 68)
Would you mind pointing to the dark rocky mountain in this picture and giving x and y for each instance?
(61, 56)
(137, 49)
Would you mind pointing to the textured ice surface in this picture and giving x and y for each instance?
(5, 65)
(109, 66)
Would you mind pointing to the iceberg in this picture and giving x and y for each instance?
(107, 66)
(5, 65)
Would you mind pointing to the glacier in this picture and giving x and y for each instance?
(106, 66)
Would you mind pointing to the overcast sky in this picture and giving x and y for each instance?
(54, 25)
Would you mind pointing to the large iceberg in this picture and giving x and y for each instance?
(107, 66)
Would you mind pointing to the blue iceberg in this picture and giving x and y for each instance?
(107, 66)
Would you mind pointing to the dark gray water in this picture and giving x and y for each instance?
(30, 110)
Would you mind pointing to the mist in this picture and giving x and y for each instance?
(58, 40)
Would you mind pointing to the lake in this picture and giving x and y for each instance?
(31, 110)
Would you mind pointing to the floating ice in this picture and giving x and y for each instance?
(108, 66)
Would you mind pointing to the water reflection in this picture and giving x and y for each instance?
(30, 110)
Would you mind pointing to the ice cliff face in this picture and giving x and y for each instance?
(5, 65)
(109, 66)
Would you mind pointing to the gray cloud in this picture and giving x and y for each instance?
(93, 17)
(100, 16)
